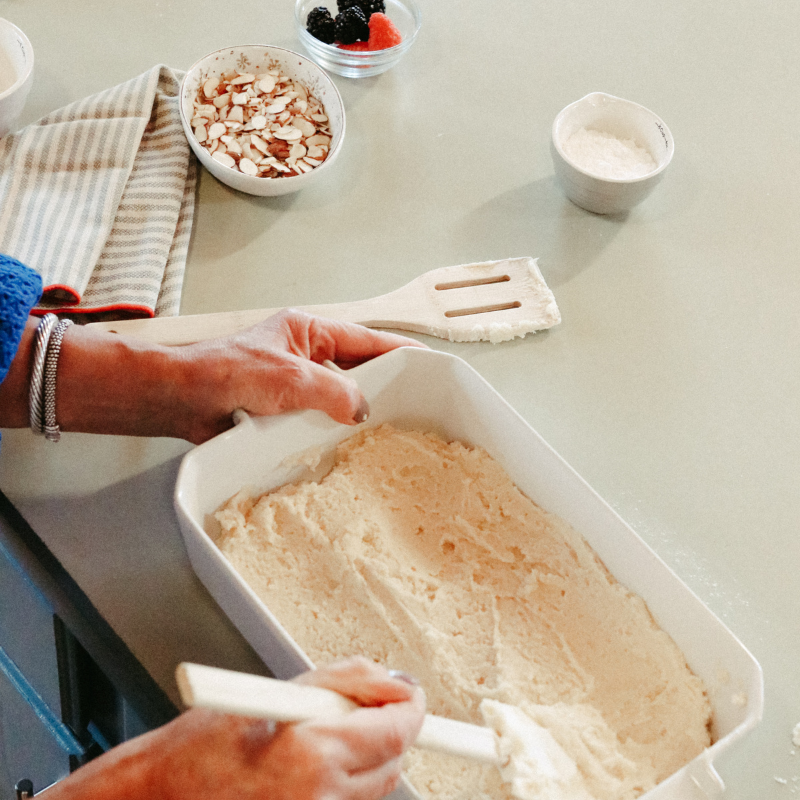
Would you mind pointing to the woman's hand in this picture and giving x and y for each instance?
(276, 366)
(120, 385)
(203, 755)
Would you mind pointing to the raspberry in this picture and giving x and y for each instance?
(351, 26)
(320, 24)
(383, 32)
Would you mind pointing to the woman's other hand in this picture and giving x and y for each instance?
(204, 755)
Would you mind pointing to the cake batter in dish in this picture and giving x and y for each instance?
(423, 555)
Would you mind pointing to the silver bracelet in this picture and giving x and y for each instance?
(51, 430)
(36, 391)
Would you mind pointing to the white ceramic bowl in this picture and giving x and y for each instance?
(258, 58)
(16, 74)
(406, 16)
(623, 120)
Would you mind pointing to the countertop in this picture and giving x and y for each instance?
(672, 384)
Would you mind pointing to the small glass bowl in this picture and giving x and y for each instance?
(405, 14)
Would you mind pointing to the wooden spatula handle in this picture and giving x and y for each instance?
(283, 701)
(198, 327)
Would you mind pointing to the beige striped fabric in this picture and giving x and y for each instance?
(98, 198)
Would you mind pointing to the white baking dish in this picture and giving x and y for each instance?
(433, 391)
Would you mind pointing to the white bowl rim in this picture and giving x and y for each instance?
(292, 53)
(557, 143)
(360, 54)
(29, 68)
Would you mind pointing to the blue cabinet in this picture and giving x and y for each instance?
(69, 688)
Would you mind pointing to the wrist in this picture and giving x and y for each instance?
(115, 385)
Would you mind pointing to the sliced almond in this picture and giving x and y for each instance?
(247, 167)
(304, 126)
(201, 133)
(319, 117)
(245, 77)
(222, 100)
(240, 98)
(318, 139)
(236, 114)
(288, 133)
(258, 143)
(267, 83)
(278, 106)
(224, 159)
(298, 151)
(210, 86)
(259, 122)
(216, 130)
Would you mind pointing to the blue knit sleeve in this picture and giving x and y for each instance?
(20, 290)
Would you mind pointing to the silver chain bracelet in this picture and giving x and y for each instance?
(36, 391)
(51, 430)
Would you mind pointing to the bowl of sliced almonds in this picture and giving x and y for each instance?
(263, 120)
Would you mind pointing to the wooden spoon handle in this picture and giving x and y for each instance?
(283, 701)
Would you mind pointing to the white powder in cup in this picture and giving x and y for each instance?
(605, 156)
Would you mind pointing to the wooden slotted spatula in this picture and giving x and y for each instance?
(489, 301)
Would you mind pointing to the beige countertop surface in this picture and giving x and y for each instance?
(672, 384)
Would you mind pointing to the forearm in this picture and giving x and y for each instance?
(204, 755)
(118, 385)
(127, 772)
(106, 384)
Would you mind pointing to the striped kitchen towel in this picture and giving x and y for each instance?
(98, 198)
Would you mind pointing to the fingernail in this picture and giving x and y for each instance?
(362, 415)
(403, 676)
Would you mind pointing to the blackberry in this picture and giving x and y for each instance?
(352, 26)
(321, 25)
(373, 6)
(369, 7)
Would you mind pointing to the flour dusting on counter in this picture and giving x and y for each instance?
(423, 555)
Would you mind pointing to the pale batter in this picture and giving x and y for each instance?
(424, 556)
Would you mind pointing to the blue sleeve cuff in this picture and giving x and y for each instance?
(20, 290)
